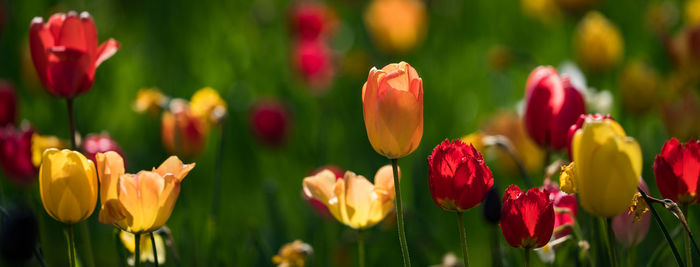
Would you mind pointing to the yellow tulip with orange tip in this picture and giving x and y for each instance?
(396, 26)
(68, 185)
(392, 100)
(142, 202)
(353, 200)
(608, 167)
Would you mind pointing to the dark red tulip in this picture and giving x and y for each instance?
(579, 123)
(527, 219)
(458, 176)
(552, 106)
(8, 104)
(311, 20)
(65, 52)
(269, 121)
(561, 201)
(16, 154)
(99, 143)
(677, 171)
(317, 205)
(313, 59)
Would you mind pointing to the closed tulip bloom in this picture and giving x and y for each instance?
(8, 104)
(392, 101)
(142, 202)
(65, 52)
(396, 26)
(527, 218)
(598, 42)
(68, 185)
(314, 61)
(458, 176)
(16, 154)
(353, 200)
(677, 171)
(312, 20)
(628, 231)
(608, 167)
(579, 123)
(99, 143)
(552, 106)
(183, 133)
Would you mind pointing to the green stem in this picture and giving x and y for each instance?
(39, 256)
(612, 255)
(137, 249)
(360, 248)
(71, 123)
(155, 251)
(496, 259)
(217, 172)
(527, 257)
(662, 226)
(118, 246)
(71, 244)
(86, 245)
(399, 215)
(688, 253)
(463, 237)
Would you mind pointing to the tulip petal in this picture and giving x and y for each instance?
(40, 39)
(106, 50)
(320, 186)
(359, 196)
(112, 212)
(66, 207)
(55, 25)
(174, 166)
(167, 198)
(72, 34)
(89, 34)
(399, 118)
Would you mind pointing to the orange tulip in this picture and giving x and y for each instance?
(392, 100)
(142, 202)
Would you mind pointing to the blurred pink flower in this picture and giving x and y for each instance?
(314, 61)
(16, 154)
(627, 231)
(269, 122)
(8, 104)
(99, 143)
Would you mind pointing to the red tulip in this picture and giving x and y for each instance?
(310, 21)
(677, 171)
(527, 219)
(269, 121)
(561, 201)
(579, 123)
(458, 176)
(552, 106)
(16, 154)
(627, 231)
(313, 60)
(8, 104)
(65, 52)
(99, 143)
(316, 204)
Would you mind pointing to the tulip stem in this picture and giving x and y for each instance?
(118, 246)
(611, 242)
(463, 236)
(360, 248)
(137, 249)
(71, 244)
(217, 172)
(663, 227)
(527, 257)
(71, 122)
(688, 254)
(399, 214)
(496, 259)
(155, 251)
(39, 256)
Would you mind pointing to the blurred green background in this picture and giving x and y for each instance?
(244, 49)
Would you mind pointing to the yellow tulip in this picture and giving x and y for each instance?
(353, 200)
(68, 185)
(392, 101)
(692, 13)
(150, 101)
(40, 143)
(146, 247)
(142, 202)
(208, 105)
(598, 42)
(608, 167)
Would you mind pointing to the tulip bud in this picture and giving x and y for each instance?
(270, 122)
(552, 106)
(598, 43)
(68, 185)
(629, 231)
(677, 171)
(65, 52)
(492, 206)
(19, 234)
(392, 101)
(16, 154)
(314, 61)
(183, 133)
(396, 26)
(579, 123)
(99, 143)
(527, 219)
(8, 103)
(458, 176)
(608, 167)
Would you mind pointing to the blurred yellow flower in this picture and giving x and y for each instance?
(293, 254)
(509, 124)
(476, 139)
(638, 86)
(150, 100)
(608, 167)
(68, 185)
(142, 202)
(546, 11)
(692, 13)
(353, 200)
(397, 26)
(598, 43)
(208, 105)
(40, 143)
(146, 247)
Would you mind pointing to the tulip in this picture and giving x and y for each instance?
(99, 143)
(527, 218)
(552, 106)
(392, 101)
(8, 104)
(639, 83)
(692, 13)
(151, 101)
(16, 154)
(208, 105)
(598, 42)
(314, 61)
(68, 185)
(565, 208)
(629, 231)
(458, 176)
(41, 143)
(396, 26)
(677, 171)
(65, 52)
(142, 202)
(312, 20)
(294, 254)
(146, 247)
(353, 200)
(579, 124)
(183, 133)
(19, 234)
(317, 205)
(270, 122)
(608, 167)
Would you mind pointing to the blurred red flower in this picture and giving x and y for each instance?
(269, 121)
(677, 171)
(311, 21)
(313, 59)
(16, 154)
(8, 104)
(527, 219)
